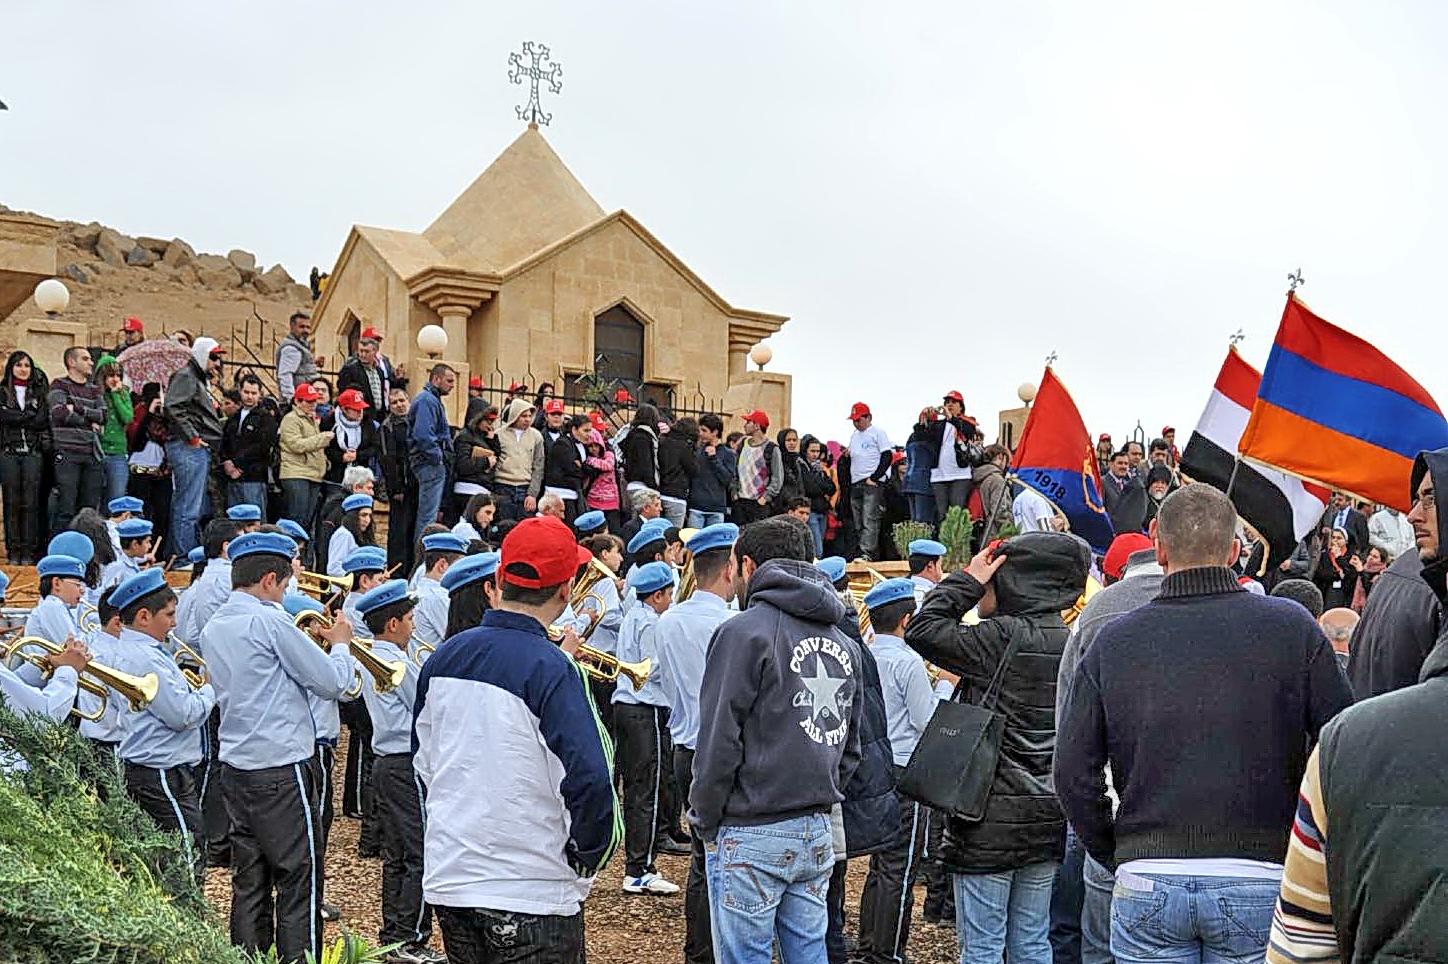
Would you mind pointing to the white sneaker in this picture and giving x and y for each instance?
(651, 884)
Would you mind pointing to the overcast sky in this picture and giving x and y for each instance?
(938, 199)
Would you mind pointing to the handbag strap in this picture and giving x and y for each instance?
(992, 690)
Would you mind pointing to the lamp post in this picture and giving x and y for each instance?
(761, 355)
(432, 340)
(1026, 392)
(52, 297)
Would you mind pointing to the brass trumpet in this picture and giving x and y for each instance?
(1069, 616)
(193, 667)
(420, 652)
(387, 674)
(95, 679)
(319, 585)
(88, 618)
(859, 586)
(605, 667)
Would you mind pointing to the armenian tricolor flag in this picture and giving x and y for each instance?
(1333, 409)
(1056, 459)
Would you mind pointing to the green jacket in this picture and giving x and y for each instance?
(118, 417)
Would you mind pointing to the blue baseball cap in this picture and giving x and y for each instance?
(926, 547)
(891, 590)
(294, 529)
(720, 535)
(357, 500)
(244, 512)
(444, 542)
(590, 522)
(364, 559)
(833, 567)
(139, 586)
(470, 569)
(296, 603)
(73, 544)
(391, 591)
(58, 565)
(125, 503)
(261, 544)
(650, 578)
(133, 528)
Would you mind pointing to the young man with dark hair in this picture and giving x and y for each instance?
(515, 853)
(429, 443)
(1206, 873)
(387, 610)
(77, 415)
(1124, 495)
(296, 364)
(715, 475)
(779, 738)
(683, 634)
(248, 441)
(161, 744)
(909, 702)
(799, 508)
(264, 668)
(639, 716)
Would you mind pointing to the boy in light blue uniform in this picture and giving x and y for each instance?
(161, 743)
(135, 538)
(246, 516)
(54, 701)
(643, 740)
(590, 523)
(212, 588)
(263, 669)
(925, 557)
(683, 635)
(439, 551)
(397, 793)
(367, 566)
(118, 510)
(909, 702)
(62, 585)
(104, 647)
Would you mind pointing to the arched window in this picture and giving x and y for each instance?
(618, 346)
(353, 333)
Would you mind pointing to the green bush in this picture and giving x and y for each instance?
(84, 874)
(905, 533)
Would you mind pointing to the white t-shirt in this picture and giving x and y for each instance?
(945, 468)
(865, 450)
(1032, 511)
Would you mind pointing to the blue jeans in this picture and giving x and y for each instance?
(1096, 914)
(1006, 912)
(699, 518)
(510, 500)
(1193, 920)
(247, 493)
(430, 482)
(1068, 893)
(189, 467)
(817, 530)
(118, 476)
(922, 507)
(770, 883)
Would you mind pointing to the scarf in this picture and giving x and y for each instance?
(1371, 568)
(349, 433)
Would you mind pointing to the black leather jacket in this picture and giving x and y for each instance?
(25, 429)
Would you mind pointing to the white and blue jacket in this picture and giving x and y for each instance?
(521, 812)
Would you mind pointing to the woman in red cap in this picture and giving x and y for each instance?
(354, 435)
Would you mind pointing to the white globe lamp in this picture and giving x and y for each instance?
(432, 340)
(1026, 392)
(51, 296)
(761, 355)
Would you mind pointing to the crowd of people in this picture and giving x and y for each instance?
(587, 635)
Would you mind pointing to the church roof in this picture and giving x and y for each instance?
(406, 252)
(525, 201)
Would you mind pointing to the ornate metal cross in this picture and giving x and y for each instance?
(1295, 280)
(551, 74)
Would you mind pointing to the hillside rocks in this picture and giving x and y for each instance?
(100, 249)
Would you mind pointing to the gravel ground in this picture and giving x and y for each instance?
(621, 929)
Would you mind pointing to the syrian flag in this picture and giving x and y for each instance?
(1282, 508)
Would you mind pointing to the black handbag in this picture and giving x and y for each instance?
(954, 763)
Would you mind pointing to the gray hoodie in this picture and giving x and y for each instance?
(779, 731)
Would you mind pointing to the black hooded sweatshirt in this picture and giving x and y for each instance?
(1045, 573)
(780, 706)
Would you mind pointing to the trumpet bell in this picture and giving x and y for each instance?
(319, 585)
(96, 679)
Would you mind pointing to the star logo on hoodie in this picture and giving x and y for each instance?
(820, 692)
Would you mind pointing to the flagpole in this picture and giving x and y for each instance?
(1236, 464)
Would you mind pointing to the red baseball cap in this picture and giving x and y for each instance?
(351, 399)
(622, 396)
(133, 324)
(757, 417)
(370, 334)
(954, 396)
(1104, 437)
(545, 547)
(1121, 549)
(306, 393)
(859, 410)
(517, 387)
(475, 381)
(1168, 430)
(552, 406)
(600, 424)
